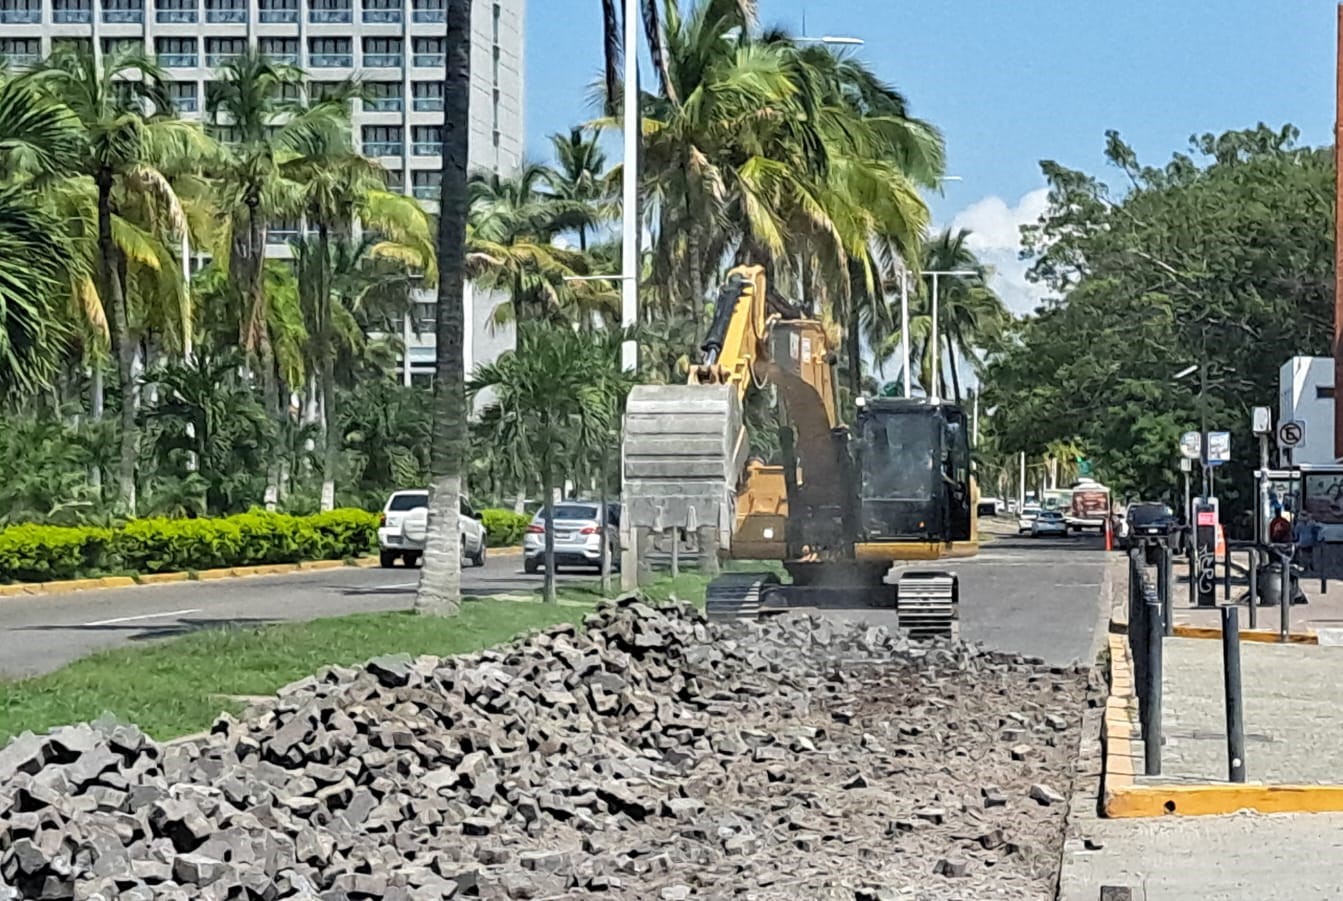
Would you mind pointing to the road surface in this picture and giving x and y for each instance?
(1037, 597)
(40, 634)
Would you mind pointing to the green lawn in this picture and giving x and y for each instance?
(174, 687)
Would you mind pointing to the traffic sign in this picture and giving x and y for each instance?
(1191, 445)
(1262, 420)
(1219, 448)
(1291, 434)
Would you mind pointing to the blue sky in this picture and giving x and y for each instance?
(1011, 82)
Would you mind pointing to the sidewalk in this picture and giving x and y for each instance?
(1324, 612)
(1293, 725)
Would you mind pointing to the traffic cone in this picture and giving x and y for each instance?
(1109, 535)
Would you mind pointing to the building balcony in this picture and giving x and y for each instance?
(384, 148)
(185, 104)
(21, 16)
(428, 105)
(215, 60)
(382, 104)
(280, 235)
(179, 60)
(21, 60)
(427, 192)
(430, 60)
(331, 60)
(383, 60)
(288, 59)
(232, 16)
(123, 16)
(278, 16)
(330, 16)
(72, 16)
(437, 16)
(383, 16)
(185, 16)
(426, 148)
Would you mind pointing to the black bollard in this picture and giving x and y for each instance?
(1151, 732)
(1253, 559)
(1285, 599)
(1235, 714)
(1164, 590)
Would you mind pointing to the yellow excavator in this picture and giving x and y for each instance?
(841, 507)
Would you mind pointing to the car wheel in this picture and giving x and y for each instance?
(531, 566)
(412, 558)
(479, 558)
(387, 559)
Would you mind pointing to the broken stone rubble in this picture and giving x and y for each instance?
(651, 754)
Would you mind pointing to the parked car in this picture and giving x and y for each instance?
(990, 506)
(1027, 518)
(405, 526)
(1049, 522)
(579, 527)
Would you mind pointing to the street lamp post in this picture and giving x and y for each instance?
(629, 255)
(936, 390)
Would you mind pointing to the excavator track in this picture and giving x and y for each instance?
(928, 604)
(737, 595)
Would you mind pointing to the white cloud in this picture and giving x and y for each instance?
(995, 235)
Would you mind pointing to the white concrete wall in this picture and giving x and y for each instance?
(1300, 398)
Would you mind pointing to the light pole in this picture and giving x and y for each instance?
(629, 251)
(1202, 369)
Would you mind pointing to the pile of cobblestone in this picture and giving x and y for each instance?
(649, 755)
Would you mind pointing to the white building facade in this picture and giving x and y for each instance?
(396, 47)
(1306, 395)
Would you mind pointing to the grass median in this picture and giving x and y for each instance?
(179, 686)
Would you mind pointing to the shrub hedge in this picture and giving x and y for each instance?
(504, 528)
(33, 553)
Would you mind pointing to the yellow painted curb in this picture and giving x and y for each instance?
(24, 589)
(1213, 800)
(163, 578)
(512, 551)
(367, 562)
(266, 569)
(210, 575)
(322, 564)
(1182, 630)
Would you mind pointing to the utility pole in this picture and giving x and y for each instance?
(904, 329)
(1338, 246)
(1021, 491)
(629, 286)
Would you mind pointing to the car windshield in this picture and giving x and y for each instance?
(571, 513)
(408, 501)
(1050, 514)
(1142, 514)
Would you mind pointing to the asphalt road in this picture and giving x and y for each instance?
(40, 634)
(1037, 597)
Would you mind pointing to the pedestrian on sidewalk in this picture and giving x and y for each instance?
(1306, 535)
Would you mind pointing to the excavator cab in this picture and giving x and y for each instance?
(912, 459)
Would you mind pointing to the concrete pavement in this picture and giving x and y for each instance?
(39, 634)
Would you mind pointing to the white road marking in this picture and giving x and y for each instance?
(131, 619)
(401, 585)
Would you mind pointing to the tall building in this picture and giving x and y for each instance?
(396, 47)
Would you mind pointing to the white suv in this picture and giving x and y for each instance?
(405, 525)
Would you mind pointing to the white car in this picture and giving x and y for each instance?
(578, 536)
(1049, 522)
(405, 526)
(1027, 518)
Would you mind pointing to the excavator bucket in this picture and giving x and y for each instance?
(683, 450)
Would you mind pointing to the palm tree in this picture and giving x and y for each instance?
(580, 176)
(440, 590)
(971, 316)
(613, 44)
(124, 147)
(556, 398)
(264, 135)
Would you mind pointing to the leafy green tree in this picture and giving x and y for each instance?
(1223, 255)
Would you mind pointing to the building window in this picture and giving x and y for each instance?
(21, 52)
(428, 96)
(494, 24)
(281, 50)
(383, 97)
(115, 11)
(233, 11)
(281, 233)
(427, 140)
(184, 95)
(396, 181)
(383, 140)
(21, 12)
(72, 12)
(425, 317)
(330, 11)
(330, 53)
(272, 11)
(426, 184)
(428, 11)
(429, 53)
(114, 47)
(1324, 392)
(71, 45)
(382, 10)
(175, 11)
(219, 51)
(382, 53)
(176, 53)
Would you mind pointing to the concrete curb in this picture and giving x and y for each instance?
(1184, 630)
(1123, 797)
(36, 589)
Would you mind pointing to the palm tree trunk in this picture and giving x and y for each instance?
(548, 489)
(440, 590)
(855, 352)
(121, 346)
(331, 457)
